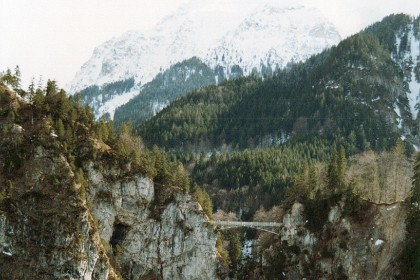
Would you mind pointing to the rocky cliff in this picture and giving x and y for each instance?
(363, 246)
(66, 214)
(50, 231)
(168, 241)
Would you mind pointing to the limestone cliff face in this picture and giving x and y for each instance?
(47, 230)
(160, 233)
(63, 216)
(119, 229)
(348, 249)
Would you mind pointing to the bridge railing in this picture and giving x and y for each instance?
(245, 224)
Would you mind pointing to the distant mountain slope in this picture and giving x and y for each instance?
(400, 34)
(355, 90)
(272, 36)
(105, 98)
(179, 79)
(258, 39)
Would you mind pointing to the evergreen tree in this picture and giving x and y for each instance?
(13, 80)
(31, 91)
(341, 167)
(17, 77)
(38, 103)
(337, 170)
(51, 87)
(415, 198)
(235, 250)
(61, 132)
(410, 257)
(203, 198)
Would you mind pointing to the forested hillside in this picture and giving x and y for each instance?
(178, 80)
(354, 90)
(354, 95)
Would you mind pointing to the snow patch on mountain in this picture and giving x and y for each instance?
(273, 36)
(256, 36)
(111, 105)
(190, 31)
(410, 59)
(414, 84)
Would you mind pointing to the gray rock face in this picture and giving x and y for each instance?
(46, 232)
(53, 229)
(174, 243)
(344, 247)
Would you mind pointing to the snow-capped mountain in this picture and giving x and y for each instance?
(273, 36)
(220, 33)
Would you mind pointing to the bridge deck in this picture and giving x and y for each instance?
(245, 224)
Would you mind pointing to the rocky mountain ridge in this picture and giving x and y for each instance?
(225, 39)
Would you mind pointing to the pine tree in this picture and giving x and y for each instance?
(332, 172)
(337, 170)
(235, 252)
(415, 198)
(61, 132)
(202, 197)
(31, 94)
(17, 77)
(13, 80)
(341, 167)
(51, 87)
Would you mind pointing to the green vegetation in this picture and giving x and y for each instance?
(262, 133)
(255, 177)
(349, 92)
(203, 198)
(11, 79)
(410, 258)
(387, 29)
(178, 80)
(191, 121)
(50, 119)
(235, 250)
(320, 188)
(325, 133)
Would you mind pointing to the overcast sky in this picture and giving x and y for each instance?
(53, 38)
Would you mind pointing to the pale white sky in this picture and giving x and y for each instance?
(53, 38)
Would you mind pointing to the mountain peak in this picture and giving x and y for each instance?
(244, 33)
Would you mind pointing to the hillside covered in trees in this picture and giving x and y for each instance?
(246, 139)
(178, 80)
(354, 90)
(254, 143)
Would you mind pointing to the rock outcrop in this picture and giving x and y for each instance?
(46, 230)
(118, 229)
(64, 215)
(151, 233)
(348, 248)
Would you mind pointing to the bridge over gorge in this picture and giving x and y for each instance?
(270, 227)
